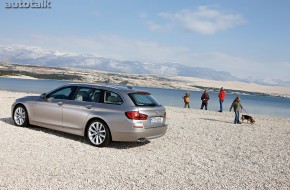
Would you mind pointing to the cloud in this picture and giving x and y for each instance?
(243, 67)
(204, 20)
(116, 47)
(110, 46)
(160, 28)
(141, 50)
(285, 64)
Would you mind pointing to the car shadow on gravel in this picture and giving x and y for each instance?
(115, 145)
(127, 145)
(207, 119)
(7, 120)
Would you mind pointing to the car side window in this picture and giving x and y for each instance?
(112, 98)
(62, 93)
(96, 97)
(85, 94)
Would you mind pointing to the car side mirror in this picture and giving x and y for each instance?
(43, 96)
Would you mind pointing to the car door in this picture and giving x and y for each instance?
(49, 111)
(76, 111)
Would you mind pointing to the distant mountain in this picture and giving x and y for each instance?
(41, 57)
(270, 82)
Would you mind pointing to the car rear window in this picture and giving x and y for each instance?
(143, 99)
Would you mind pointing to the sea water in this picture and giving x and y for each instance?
(264, 105)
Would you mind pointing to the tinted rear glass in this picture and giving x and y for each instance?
(143, 99)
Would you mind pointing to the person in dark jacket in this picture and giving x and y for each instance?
(204, 100)
(222, 95)
(237, 108)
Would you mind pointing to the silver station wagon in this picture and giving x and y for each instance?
(100, 113)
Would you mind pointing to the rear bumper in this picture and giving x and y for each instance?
(143, 133)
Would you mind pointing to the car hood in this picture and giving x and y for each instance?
(28, 98)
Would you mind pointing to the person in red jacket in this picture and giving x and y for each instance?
(222, 96)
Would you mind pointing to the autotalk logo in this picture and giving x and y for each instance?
(44, 4)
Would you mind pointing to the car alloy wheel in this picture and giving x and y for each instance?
(20, 116)
(98, 133)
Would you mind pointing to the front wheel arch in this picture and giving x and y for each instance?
(26, 122)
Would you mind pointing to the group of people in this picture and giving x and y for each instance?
(204, 99)
(236, 105)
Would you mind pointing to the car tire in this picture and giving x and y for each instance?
(98, 133)
(20, 116)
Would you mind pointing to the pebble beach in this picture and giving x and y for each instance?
(201, 150)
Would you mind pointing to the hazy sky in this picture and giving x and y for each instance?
(249, 38)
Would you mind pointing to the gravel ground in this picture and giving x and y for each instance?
(201, 150)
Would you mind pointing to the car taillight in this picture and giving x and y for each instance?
(135, 115)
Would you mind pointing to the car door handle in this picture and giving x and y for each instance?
(60, 103)
(89, 106)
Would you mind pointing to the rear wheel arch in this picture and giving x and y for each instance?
(97, 119)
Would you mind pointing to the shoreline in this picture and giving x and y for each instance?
(19, 77)
(177, 82)
(193, 88)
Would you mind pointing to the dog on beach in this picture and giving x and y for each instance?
(248, 118)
